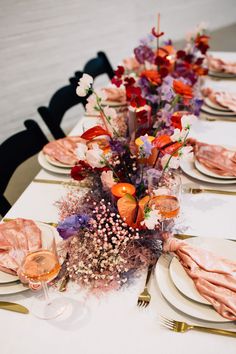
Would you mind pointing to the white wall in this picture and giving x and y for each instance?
(43, 41)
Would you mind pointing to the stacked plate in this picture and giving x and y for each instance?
(179, 290)
(193, 168)
(216, 111)
(53, 166)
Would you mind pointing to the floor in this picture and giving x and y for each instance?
(41, 50)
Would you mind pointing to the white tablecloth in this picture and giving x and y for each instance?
(114, 324)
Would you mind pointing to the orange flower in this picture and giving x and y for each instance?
(152, 75)
(183, 90)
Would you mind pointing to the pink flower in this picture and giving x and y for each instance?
(107, 180)
(91, 105)
(95, 157)
(110, 113)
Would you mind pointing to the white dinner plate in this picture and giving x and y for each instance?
(183, 282)
(49, 167)
(56, 163)
(12, 287)
(7, 278)
(188, 167)
(213, 112)
(212, 105)
(179, 301)
(201, 168)
(221, 75)
(222, 248)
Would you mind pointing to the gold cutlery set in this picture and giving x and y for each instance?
(176, 326)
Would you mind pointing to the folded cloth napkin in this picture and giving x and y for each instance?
(115, 94)
(17, 238)
(213, 276)
(215, 158)
(220, 65)
(221, 98)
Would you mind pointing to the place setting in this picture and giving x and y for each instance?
(220, 68)
(190, 278)
(210, 163)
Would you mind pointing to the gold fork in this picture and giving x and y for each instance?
(182, 327)
(144, 298)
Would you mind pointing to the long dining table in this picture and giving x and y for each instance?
(112, 323)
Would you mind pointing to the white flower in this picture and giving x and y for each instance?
(152, 219)
(84, 85)
(81, 151)
(186, 152)
(173, 163)
(188, 120)
(107, 180)
(95, 157)
(178, 135)
(91, 105)
(110, 112)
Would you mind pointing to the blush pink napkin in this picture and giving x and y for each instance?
(213, 276)
(115, 94)
(220, 65)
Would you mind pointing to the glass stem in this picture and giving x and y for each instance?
(45, 291)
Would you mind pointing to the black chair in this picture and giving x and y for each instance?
(62, 100)
(14, 151)
(97, 66)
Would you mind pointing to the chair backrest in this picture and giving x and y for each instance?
(98, 66)
(62, 100)
(14, 151)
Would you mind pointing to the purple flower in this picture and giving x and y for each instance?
(117, 146)
(144, 53)
(146, 148)
(197, 104)
(72, 224)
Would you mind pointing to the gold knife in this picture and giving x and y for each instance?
(12, 306)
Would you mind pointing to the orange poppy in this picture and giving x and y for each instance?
(152, 75)
(183, 90)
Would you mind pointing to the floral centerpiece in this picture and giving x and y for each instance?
(114, 228)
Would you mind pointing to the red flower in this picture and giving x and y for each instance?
(180, 54)
(129, 81)
(80, 171)
(152, 76)
(119, 71)
(94, 132)
(117, 82)
(201, 42)
(172, 149)
(161, 141)
(176, 120)
(183, 90)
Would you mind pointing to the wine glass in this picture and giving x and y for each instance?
(40, 267)
(165, 190)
